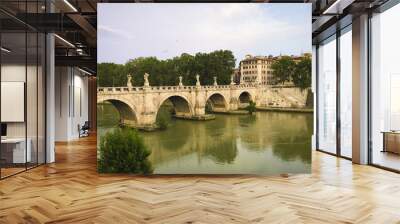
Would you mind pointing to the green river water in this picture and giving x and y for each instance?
(265, 143)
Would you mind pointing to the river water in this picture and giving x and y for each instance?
(265, 143)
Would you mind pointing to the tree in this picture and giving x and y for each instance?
(110, 74)
(164, 116)
(185, 68)
(283, 69)
(138, 66)
(251, 108)
(220, 64)
(166, 72)
(123, 151)
(302, 74)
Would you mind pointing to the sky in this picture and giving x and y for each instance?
(128, 31)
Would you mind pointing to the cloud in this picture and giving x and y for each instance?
(168, 30)
(116, 32)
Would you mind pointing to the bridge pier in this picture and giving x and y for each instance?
(128, 123)
(233, 104)
(199, 110)
(147, 120)
(200, 103)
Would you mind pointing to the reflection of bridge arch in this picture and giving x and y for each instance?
(218, 102)
(181, 105)
(127, 112)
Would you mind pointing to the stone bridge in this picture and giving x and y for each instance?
(138, 106)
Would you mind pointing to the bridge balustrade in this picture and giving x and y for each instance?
(169, 88)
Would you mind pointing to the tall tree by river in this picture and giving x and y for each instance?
(286, 69)
(302, 73)
(110, 74)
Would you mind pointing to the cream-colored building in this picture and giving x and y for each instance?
(256, 69)
(236, 75)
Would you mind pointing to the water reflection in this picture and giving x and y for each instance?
(224, 151)
(267, 143)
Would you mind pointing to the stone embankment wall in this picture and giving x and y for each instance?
(286, 97)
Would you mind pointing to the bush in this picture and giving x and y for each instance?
(123, 151)
(164, 116)
(162, 122)
(251, 108)
(208, 108)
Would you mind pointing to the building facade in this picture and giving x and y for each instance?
(256, 69)
(236, 75)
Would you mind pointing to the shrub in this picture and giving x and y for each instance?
(162, 122)
(164, 116)
(123, 151)
(251, 108)
(208, 108)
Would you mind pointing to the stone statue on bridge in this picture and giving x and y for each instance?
(129, 82)
(180, 81)
(197, 80)
(215, 81)
(146, 79)
(232, 82)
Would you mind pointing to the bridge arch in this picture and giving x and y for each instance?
(127, 112)
(182, 106)
(217, 102)
(244, 98)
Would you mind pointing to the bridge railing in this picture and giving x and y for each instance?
(118, 89)
(170, 88)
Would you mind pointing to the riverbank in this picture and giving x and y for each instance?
(205, 117)
(282, 109)
(233, 112)
(270, 109)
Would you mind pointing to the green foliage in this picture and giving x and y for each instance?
(110, 74)
(162, 123)
(164, 115)
(208, 107)
(123, 151)
(302, 74)
(251, 108)
(217, 63)
(162, 120)
(283, 69)
(166, 72)
(286, 69)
